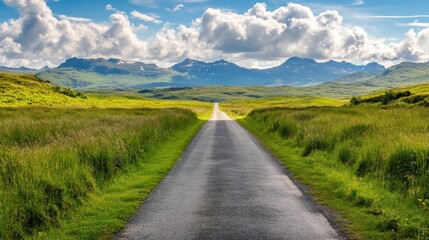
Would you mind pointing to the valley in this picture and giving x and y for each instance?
(288, 122)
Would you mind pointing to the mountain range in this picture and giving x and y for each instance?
(92, 74)
(23, 70)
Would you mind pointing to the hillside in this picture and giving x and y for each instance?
(92, 74)
(19, 89)
(403, 74)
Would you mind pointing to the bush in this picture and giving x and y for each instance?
(385, 99)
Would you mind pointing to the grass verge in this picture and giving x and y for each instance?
(52, 160)
(342, 170)
(107, 210)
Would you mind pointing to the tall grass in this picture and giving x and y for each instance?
(51, 159)
(390, 144)
(386, 147)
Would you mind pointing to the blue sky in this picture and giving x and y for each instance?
(384, 24)
(398, 13)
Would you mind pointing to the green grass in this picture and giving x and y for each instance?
(83, 80)
(105, 212)
(239, 109)
(227, 93)
(369, 164)
(53, 160)
(17, 90)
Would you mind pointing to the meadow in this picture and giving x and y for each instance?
(368, 163)
(51, 160)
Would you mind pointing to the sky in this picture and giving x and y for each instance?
(257, 34)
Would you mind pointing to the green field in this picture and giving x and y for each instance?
(227, 93)
(62, 151)
(238, 109)
(77, 166)
(87, 80)
(27, 90)
(52, 160)
(370, 164)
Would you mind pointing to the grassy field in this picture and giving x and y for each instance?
(370, 164)
(227, 93)
(52, 160)
(239, 109)
(85, 80)
(17, 90)
(83, 162)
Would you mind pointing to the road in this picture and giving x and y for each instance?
(226, 186)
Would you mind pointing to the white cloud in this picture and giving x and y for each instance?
(158, 3)
(176, 8)
(146, 17)
(74, 19)
(258, 37)
(38, 38)
(109, 7)
(391, 16)
(418, 24)
(358, 2)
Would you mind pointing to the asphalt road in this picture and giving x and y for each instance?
(226, 186)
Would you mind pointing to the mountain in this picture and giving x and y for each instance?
(20, 70)
(400, 75)
(295, 71)
(303, 72)
(93, 74)
(217, 73)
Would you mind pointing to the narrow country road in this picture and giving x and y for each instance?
(226, 186)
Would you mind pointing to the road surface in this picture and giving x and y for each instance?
(226, 186)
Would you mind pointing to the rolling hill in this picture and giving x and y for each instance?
(403, 74)
(27, 89)
(92, 74)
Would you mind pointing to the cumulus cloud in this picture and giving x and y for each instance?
(146, 17)
(257, 37)
(37, 37)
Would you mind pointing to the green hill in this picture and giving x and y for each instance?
(403, 74)
(95, 74)
(26, 89)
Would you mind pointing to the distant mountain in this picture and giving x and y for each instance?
(217, 73)
(295, 71)
(400, 75)
(302, 71)
(114, 73)
(105, 73)
(20, 70)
